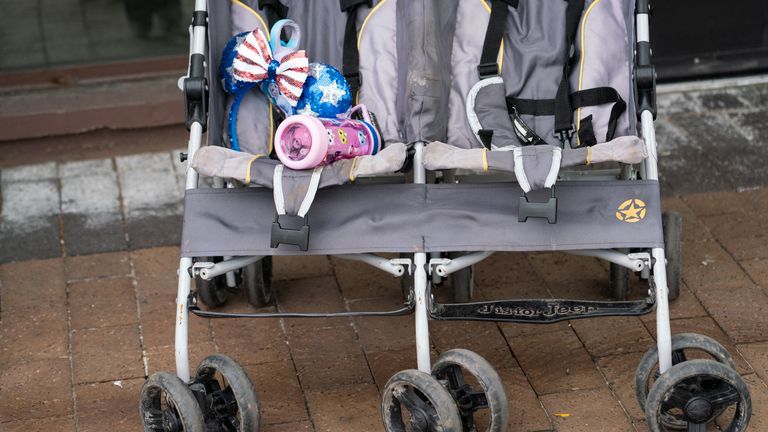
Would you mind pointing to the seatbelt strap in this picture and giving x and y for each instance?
(494, 34)
(563, 110)
(351, 56)
(279, 197)
(274, 10)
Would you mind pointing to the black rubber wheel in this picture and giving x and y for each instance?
(167, 405)
(415, 401)
(450, 368)
(231, 400)
(673, 225)
(697, 392)
(463, 282)
(256, 281)
(684, 345)
(213, 293)
(618, 282)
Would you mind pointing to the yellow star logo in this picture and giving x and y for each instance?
(631, 211)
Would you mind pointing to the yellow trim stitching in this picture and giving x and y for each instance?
(271, 130)
(485, 160)
(589, 155)
(263, 23)
(250, 162)
(581, 65)
(352, 169)
(365, 21)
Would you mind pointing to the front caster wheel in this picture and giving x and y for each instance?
(213, 293)
(695, 393)
(167, 405)
(231, 403)
(256, 281)
(415, 401)
(684, 346)
(484, 391)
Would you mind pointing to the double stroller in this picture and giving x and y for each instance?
(506, 125)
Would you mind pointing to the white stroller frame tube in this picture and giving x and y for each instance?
(198, 46)
(420, 277)
(227, 266)
(651, 172)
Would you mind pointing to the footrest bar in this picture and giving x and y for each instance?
(540, 311)
(407, 309)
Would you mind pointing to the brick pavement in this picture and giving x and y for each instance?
(85, 312)
(80, 334)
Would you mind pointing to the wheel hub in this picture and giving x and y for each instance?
(419, 421)
(698, 410)
(171, 423)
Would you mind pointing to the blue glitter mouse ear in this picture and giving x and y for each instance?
(326, 93)
(232, 86)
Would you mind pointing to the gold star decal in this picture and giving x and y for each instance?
(631, 211)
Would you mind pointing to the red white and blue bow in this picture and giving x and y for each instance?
(254, 63)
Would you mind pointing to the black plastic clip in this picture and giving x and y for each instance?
(488, 70)
(546, 210)
(292, 230)
(565, 135)
(195, 88)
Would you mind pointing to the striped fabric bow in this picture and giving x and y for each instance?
(254, 63)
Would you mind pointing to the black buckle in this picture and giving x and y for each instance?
(565, 135)
(546, 210)
(488, 70)
(355, 80)
(346, 5)
(292, 230)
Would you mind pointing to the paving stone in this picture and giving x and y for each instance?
(288, 427)
(759, 394)
(742, 316)
(102, 303)
(571, 276)
(384, 333)
(747, 247)
(36, 389)
(706, 265)
(525, 411)
(384, 364)
(758, 271)
(251, 341)
(358, 280)
(279, 392)
(27, 173)
(47, 424)
(107, 354)
(756, 354)
(153, 231)
(612, 335)
(33, 285)
(38, 238)
(568, 365)
(719, 203)
(346, 409)
(158, 327)
(619, 371)
(333, 371)
(30, 220)
(300, 267)
(114, 403)
(484, 338)
(319, 294)
(587, 411)
(34, 336)
(163, 358)
(90, 207)
(97, 266)
(156, 271)
(693, 229)
(736, 226)
(512, 330)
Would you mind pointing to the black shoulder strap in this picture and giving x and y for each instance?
(350, 55)
(563, 110)
(497, 24)
(274, 10)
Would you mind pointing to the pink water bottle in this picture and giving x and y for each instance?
(303, 142)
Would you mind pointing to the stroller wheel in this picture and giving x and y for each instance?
(672, 223)
(618, 283)
(167, 405)
(256, 281)
(231, 401)
(483, 390)
(696, 393)
(214, 292)
(415, 401)
(684, 346)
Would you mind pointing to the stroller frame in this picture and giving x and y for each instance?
(429, 267)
